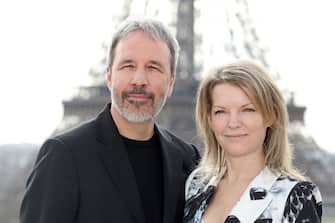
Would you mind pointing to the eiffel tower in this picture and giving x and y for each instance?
(178, 112)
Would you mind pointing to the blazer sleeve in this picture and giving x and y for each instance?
(304, 203)
(52, 189)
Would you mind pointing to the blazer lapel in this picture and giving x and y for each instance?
(115, 159)
(256, 198)
(173, 176)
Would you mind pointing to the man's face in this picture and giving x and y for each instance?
(139, 78)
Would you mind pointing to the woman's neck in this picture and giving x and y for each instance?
(243, 169)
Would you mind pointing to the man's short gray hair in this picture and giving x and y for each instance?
(152, 28)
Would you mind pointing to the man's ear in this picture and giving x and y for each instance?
(171, 84)
(109, 77)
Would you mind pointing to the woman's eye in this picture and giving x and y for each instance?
(249, 110)
(219, 112)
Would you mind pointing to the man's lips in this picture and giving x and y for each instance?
(138, 97)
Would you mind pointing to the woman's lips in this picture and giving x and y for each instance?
(235, 135)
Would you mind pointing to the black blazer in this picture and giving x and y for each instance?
(84, 176)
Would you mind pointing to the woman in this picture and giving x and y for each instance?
(246, 173)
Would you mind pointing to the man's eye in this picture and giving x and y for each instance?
(127, 66)
(154, 68)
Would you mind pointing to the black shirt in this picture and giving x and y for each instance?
(146, 160)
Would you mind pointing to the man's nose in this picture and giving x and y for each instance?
(140, 78)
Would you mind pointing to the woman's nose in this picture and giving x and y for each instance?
(234, 121)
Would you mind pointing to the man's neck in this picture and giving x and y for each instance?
(133, 130)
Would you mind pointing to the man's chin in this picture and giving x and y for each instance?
(137, 117)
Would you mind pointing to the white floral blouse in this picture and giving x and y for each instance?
(269, 198)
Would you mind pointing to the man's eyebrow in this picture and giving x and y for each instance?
(125, 61)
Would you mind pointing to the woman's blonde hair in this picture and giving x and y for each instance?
(261, 89)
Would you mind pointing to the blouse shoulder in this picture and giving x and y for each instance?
(191, 185)
(304, 203)
(196, 183)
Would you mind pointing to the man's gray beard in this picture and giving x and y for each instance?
(141, 116)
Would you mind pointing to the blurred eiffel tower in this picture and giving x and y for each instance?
(242, 41)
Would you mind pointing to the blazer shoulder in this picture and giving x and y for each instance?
(304, 201)
(84, 129)
(189, 152)
(308, 189)
(180, 143)
(72, 140)
(185, 148)
(305, 189)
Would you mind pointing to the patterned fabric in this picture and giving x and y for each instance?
(269, 198)
(304, 204)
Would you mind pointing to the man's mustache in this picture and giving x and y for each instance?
(138, 91)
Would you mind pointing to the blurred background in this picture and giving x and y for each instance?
(53, 54)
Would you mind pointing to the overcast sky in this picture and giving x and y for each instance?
(47, 48)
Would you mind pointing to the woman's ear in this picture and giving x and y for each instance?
(269, 122)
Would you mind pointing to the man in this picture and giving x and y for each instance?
(121, 166)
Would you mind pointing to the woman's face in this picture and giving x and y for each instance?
(237, 123)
